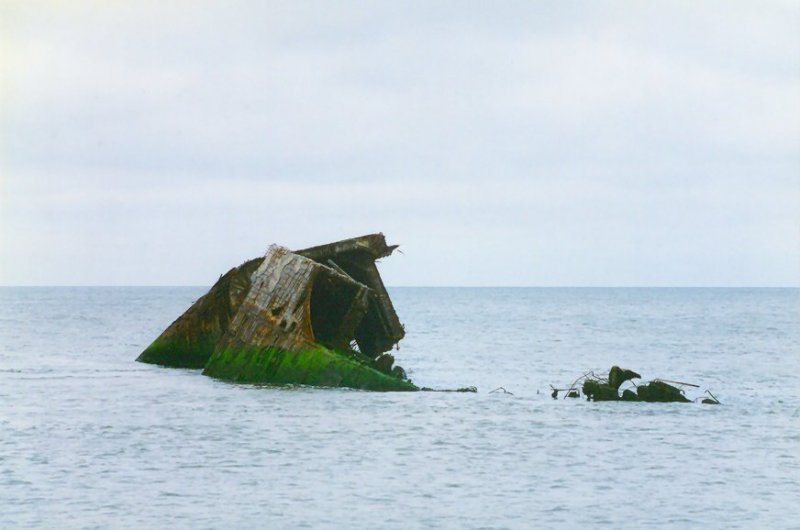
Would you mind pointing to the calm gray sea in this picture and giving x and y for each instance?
(91, 439)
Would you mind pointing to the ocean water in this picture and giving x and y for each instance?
(91, 439)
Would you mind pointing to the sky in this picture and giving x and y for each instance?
(498, 143)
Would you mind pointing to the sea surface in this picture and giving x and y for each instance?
(91, 439)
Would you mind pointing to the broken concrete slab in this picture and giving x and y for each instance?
(595, 390)
(660, 392)
(617, 376)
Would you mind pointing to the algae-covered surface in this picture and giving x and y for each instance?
(314, 366)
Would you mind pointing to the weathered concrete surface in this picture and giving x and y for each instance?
(380, 328)
(190, 340)
(289, 319)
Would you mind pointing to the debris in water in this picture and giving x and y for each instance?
(712, 400)
(605, 387)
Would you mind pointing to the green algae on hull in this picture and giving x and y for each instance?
(314, 366)
(179, 352)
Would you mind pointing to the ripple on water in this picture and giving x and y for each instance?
(91, 439)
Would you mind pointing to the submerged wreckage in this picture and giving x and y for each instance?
(319, 316)
(605, 387)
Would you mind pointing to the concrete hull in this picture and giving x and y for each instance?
(288, 319)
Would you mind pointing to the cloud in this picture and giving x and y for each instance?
(622, 138)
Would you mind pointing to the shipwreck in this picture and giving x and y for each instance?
(320, 316)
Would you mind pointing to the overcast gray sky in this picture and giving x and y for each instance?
(500, 143)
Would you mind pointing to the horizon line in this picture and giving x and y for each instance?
(151, 286)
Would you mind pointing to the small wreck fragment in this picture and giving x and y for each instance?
(319, 316)
(605, 387)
